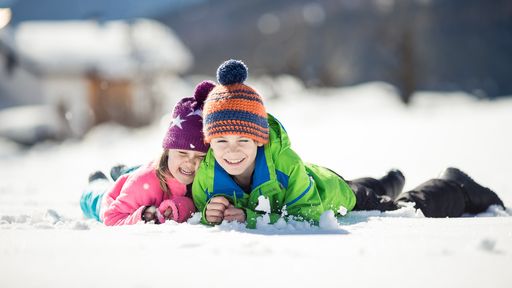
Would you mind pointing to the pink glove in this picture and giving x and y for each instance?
(182, 208)
(166, 204)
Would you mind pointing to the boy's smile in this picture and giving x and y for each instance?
(234, 162)
(236, 154)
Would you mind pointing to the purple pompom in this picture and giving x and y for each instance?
(202, 90)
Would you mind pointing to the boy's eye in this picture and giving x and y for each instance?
(221, 141)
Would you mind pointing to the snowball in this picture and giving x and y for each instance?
(328, 220)
(263, 204)
(195, 218)
(342, 210)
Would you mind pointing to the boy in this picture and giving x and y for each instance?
(250, 157)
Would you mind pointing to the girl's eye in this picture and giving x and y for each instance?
(243, 140)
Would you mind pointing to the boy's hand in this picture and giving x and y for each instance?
(234, 214)
(215, 209)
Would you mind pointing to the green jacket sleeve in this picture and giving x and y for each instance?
(301, 197)
(199, 190)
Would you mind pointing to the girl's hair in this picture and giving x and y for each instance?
(162, 171)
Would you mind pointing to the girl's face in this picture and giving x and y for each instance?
(183, 164)
(236, 154)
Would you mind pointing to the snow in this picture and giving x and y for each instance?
(357, 131)
(263, 204)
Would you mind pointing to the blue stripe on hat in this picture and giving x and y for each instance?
(240, 126)
(226, 115)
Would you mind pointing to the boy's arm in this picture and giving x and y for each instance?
(302, 198)
(199, 195)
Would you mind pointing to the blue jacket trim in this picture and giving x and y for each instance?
(282, 178)
(223, 184)
(261, 173)
(301, 195)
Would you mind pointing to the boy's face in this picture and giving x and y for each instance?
(236, 154)
(183, 164)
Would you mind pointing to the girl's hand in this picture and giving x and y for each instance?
(234, 214)
(149, 214)
(168, 213)
(215, 209)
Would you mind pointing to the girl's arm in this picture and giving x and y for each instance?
(126, 203)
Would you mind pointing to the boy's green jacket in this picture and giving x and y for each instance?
(292, 187)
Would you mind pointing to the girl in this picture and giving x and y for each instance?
(158, 190)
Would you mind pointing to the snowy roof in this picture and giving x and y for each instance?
(113, 47)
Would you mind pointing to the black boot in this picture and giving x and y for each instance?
(96, 175)
(478, 198)
(117, 171)
(436, 198)
(393, 183)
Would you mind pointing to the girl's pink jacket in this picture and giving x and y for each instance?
(132, 192)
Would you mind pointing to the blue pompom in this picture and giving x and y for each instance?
(232, 72)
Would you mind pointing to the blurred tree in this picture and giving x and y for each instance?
(413, 44)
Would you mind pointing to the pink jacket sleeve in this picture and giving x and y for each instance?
(119, 209)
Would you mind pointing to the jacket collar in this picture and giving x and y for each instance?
(224, 184)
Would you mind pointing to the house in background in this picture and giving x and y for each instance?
(90, 72)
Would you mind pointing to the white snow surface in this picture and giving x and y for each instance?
(357, 131)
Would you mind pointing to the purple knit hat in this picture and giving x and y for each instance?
(186, 128)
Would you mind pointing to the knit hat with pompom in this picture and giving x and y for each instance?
(233, 108)
(185, 130)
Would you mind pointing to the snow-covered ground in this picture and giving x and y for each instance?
(357, 131)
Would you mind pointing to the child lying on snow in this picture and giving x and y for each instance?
(158, 190)
(250, 156)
